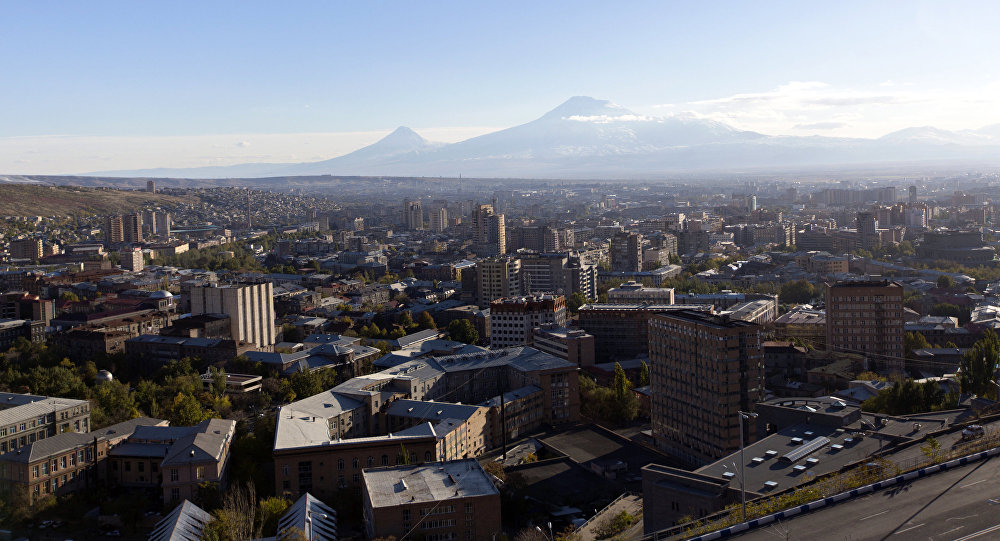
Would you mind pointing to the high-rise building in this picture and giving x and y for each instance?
(413, 215)
(132, 227)
(250, 308)
(513, 319)
(497, 278)
(868, 236)
(163, 224)
(626, 252)
(149, 222)
(31, 249)
(490, 231)
(131, 259)
(439, 219)
(151, 186)
(704, 370)
(558, 273)
(866, 317)
(913, 194)
(113, 229)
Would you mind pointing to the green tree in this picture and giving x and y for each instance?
(913, 341)
(426, 321)
(186, 411)
(979, 365)
(951, 310)
(945, 282)
(218, 380)
(643, 374)
(575, 301)
(406, 321)
(797, 292)
(463, 331)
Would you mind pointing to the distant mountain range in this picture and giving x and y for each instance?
(589, 138)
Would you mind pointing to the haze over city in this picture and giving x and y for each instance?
(113, 88)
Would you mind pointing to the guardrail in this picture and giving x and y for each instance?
(830, 500)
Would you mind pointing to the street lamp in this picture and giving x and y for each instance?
(541, 531)
(309, 523)
(743, 463)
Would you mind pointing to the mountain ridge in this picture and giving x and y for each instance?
(585, 136)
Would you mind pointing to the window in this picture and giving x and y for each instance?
(371, 461)
(173, 474)
(199, 472)
(142, 467)
(385, 460)
(62, 462)
(340, 464)
(128, 465)
(34, 472)
(355, 463)
(284, 470)
(175, 494)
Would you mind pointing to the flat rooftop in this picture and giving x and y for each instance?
(408, 485)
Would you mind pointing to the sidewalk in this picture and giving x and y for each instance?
(631, 503)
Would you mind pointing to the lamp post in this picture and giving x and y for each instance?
(309, 523)
(743, 464)
(541, 531)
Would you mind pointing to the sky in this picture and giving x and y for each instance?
(91, 86)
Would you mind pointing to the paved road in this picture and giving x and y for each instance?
(957, 505)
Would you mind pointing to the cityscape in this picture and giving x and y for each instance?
(702, 319)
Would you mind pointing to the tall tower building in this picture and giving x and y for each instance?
(913, 194)
(250, 308)
(413, 215)
(114, 229)
(704, 370)
(439, 219)
(866, 317)
(132, 227)
(151, 186)
(497, 278)
(626, 252)
(868, 230)
(163, 224)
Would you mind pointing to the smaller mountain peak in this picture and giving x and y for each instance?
(402, 136)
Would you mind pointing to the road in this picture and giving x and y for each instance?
(956, 505)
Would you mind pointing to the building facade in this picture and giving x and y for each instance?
(866, 317)
(250, 308)
(512, 320)
(704, 369)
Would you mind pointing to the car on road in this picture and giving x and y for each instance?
(973, 432)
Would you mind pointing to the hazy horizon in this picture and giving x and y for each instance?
(97, 87)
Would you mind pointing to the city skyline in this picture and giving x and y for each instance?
(111, 89)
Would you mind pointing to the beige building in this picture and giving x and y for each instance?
(250, 308)
(446, 501)
(512, 320)
(497, 278)
(635, 293)
(866, 317)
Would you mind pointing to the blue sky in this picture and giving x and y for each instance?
(169, 74)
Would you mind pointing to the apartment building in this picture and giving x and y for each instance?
(704, 369)
(512, 320)
(866, 317)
